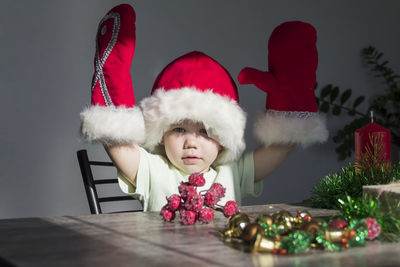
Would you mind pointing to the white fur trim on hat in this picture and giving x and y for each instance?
(222, 117)
(282, 127)
(111, 125)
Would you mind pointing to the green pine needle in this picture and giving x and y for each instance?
(332, 187)
(343, 191)
(386, 212)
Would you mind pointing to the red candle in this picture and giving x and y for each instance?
(369, 135)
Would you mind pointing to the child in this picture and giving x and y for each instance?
(192, 121)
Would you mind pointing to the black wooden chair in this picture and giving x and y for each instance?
(91, 183)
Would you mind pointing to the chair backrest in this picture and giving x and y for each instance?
(91, 183)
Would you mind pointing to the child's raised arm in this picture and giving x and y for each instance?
(267, 159)
(126, 159)
(291, 115)
(113, 119)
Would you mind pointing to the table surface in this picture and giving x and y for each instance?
(143, 239)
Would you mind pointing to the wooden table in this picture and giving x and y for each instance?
(143, 239)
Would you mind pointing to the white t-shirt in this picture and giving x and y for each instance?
(157, 179)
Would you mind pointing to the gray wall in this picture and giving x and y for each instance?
(46, 56)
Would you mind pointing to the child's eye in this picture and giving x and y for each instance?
(179, 130)
(203, 131)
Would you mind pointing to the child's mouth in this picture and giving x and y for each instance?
(190, 159)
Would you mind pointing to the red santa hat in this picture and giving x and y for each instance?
(196, 87)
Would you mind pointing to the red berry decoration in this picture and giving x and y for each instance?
(186, 189)
(167, 214)
(193, 206)
(188, 216)
(174, 202)
(194, 202)
(218, 189)
(214, 194)
(211, 198)
(206, 215)
(197, 179)
(230, 208)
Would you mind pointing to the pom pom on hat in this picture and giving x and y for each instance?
(196, 87)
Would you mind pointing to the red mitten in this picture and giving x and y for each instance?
(291, 115)
(113, 118)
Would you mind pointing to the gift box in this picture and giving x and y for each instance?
(388, 194)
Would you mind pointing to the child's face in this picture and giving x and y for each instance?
(189, 148)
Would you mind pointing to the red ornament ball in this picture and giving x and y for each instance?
(340, 224)
(374, 228)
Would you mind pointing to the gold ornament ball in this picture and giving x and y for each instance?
(311, 227)
(281, 216)
(266, 219)
(304, 215)
(236, 224)
(333, 234)
(251, 231)
(265, 244)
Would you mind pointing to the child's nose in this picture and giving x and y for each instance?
(191, 140)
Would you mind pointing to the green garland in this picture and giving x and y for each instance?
(388, 215)
(300, 238)
(297, 242)
(282, 233)
(359, 239)
(272, 231)
(343, 191)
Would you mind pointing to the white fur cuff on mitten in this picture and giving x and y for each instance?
(289, 127)
(111, 125)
